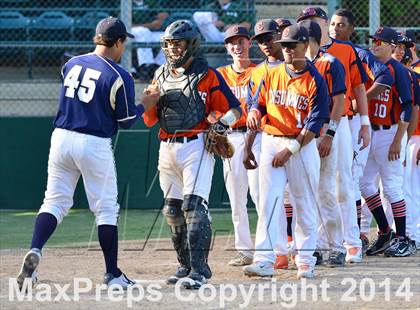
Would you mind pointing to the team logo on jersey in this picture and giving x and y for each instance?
(203, 95)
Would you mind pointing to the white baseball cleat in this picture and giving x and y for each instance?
(29, 265)
(259, 269)
(121, 281)
(354, 255)
(305, 271)
(240, 260)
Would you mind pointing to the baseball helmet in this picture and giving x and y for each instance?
(181, 30)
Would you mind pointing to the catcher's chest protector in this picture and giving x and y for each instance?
(180, 106)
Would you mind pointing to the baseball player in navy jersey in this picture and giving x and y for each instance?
(341, 28)
(97, 97)
(390, 113)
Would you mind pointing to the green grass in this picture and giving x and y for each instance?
(78, 227)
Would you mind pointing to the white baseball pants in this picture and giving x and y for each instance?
(345, 187)
(390, 172)
(330, 232)
(185, 169)
(302, 173)
(72, 155)
(238, 180)
(412, 189)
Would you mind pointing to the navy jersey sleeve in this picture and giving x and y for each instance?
(403, 85)
(122, 97)
(379, 70)
(338, 77)
(224, 88)
(319, 104)
(362, 71)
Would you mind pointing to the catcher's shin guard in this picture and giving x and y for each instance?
(176, 221)
(199, 233)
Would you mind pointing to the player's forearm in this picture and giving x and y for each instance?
(402, 129)
(250, 138)
(413, 122)
(359, 93)
(305, 136)
(375, 91)
(338, 108)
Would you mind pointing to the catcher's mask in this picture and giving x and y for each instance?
(181, 30)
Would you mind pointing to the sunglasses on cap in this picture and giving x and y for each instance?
(265, 38)
(289, 45)
(377, 42)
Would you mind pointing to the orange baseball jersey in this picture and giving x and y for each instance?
(355, 75)
(256, 86)
(238, 84)
(295, 101)
(216, 95)
(332, 70)
(393, 104)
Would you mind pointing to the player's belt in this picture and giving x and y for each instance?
(240, 129)
(284, 136)
(180, 139)
(380, 127)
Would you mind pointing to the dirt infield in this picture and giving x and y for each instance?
(377, 283)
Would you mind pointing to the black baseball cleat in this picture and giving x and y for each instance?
(29, 265)
(318, 256)
(194, 281)
(380, 243)
(336, 259)
(181, 272)
(399, 248)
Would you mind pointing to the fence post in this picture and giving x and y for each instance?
(126, 17)
(374, 15)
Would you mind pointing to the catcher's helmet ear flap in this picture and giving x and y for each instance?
(181, 30)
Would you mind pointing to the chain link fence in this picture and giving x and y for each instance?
(38, 36)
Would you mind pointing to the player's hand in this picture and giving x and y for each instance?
(364, 135)
(250, 162)
(394, 150)
(253, 120)
(150, 97)
(219, 24)
(281, 158)
(418, 157)
(324, 145)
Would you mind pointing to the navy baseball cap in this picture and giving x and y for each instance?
(236, 31)
(112, 27)
(294, 34)
(385, 34)
(311, 12)
(410, 35)
(402, 39)
(283, 23)
(314, 30)
(264, 26)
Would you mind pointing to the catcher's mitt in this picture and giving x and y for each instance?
(217, 141)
